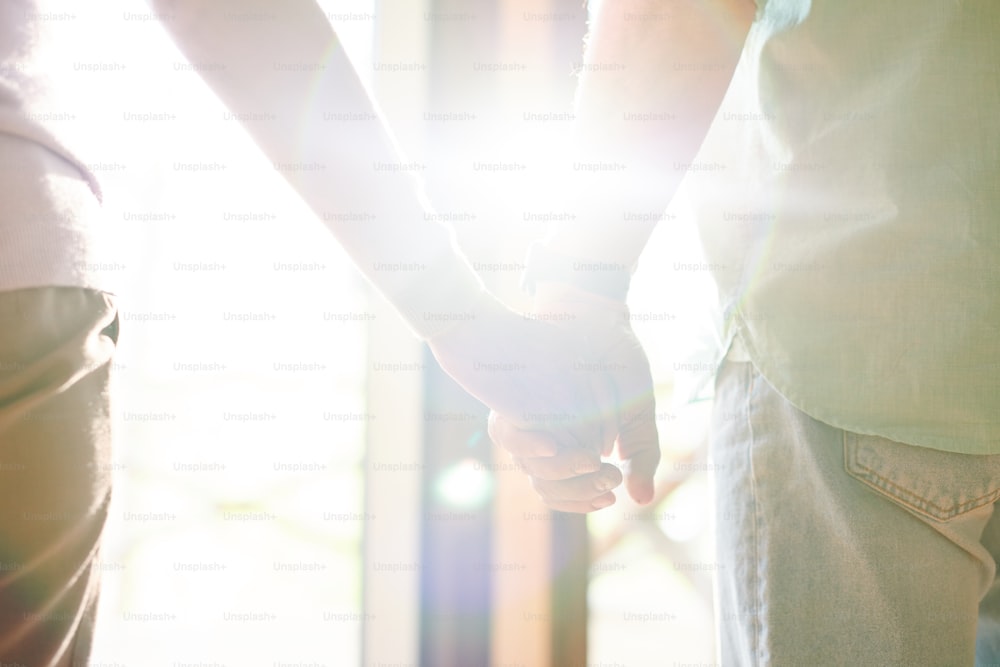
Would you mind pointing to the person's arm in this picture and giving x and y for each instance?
(653, 79)
(281, 74)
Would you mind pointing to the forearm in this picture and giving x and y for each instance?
(289, 81)
(654, 75)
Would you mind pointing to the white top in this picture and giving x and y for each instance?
(50, 208)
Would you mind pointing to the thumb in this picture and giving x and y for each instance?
(638, 441)
(639, 450)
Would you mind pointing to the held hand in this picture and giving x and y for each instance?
(529, 371)
(568, 479)
(620, 377)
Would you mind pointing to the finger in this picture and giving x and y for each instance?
(519, 442)
(605, 396)
(639, 450)
(638, 440)
(639, 475)
(580, 488)
(602, 423)
(566, 464)
(582, 506)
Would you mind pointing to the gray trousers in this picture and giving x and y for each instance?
(55, 446)
(836, 548)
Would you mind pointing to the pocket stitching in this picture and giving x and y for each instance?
(903, 496)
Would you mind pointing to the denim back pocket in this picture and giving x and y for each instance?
(936, 484)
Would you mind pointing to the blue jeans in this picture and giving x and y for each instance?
(837, 548)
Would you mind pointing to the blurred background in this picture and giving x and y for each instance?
(296, 481)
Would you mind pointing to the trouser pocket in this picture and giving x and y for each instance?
(936, 484)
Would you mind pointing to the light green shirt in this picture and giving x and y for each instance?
(856, 238)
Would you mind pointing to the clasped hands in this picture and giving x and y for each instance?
(566, 386)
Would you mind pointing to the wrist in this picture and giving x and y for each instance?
(443, 296)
